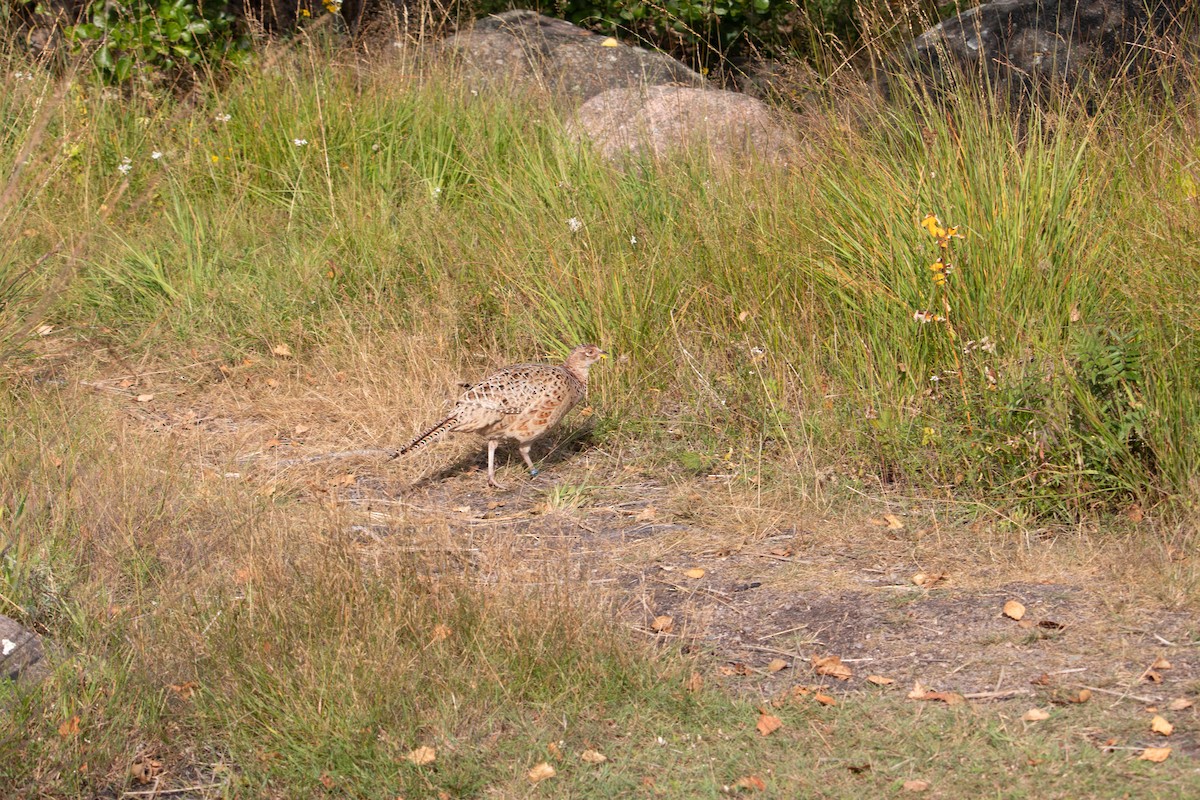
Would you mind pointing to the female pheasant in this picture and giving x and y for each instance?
(521, 403)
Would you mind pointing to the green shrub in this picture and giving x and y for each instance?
(138, 38)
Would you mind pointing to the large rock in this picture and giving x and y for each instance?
(525, 46)
(22, 657)
(660, 119)
(1023, 42)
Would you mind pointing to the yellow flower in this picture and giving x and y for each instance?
(215, 158)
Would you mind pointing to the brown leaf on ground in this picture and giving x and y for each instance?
(696, 573)
(1135, 513)
(662, 624)
(143, 770)
(1179, 704)
(1035, 715)
(70, 727)
(824, 699)
(326, 781)
(893, 522)
(1161, 726)
(440, 632)
(694, 683)
(554, 750)
(422, 755)
(593, 757)
(1160, 663)
(776, 665)
(768, 724)
(1042, 680)
(1156, 755)
(1083, 696)
(879, 680)
(1014, 610)
(647, 514)
(919, 692)
(541, 772)
(916, 786)
(282, 350)
(185, 690)
(750, 783)
(735, 669)
(144, 398)
(1151, 676)
(927, 580)
(831, 666)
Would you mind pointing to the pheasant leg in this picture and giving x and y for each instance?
(528, 461)
(492, 443)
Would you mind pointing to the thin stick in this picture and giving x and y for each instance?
(1000, 695)
(181, 790)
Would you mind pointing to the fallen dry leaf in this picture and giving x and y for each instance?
(282, 350)
(1152, 676)
(1035, 715)
(776, 665)
(185, 690)
(879, 680)
(647, 514)
(893, 522)
(695, 573)
(1156, 755)
(593, 757)
(916, 786)
(694, 683)
(440, 632)
(1161, 726)
(1160, 663)
(143, 770)
(327, 781)
(144, 398)
(422, 755)
(751, 783)
(1135, 513)
(831, 666)
(919, 692)
(662, 624)
(554, 749)
(1179, 704)
(928, 580)
(70, 727)
(768, 724)
(541, 772)
(824, 699)
(301, 429)
(1014, 610)
(1083, 696)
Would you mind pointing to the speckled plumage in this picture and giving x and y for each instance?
(521, 403)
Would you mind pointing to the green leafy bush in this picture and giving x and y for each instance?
(138, 38)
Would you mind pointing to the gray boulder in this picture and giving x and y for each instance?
(22, 657)
(1020, 43)
(624, 123)
(524, 46)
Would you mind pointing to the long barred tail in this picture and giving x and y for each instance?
(434, 433)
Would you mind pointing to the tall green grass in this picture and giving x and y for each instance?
(769, 309)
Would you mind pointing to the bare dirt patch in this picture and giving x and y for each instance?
(780, 581)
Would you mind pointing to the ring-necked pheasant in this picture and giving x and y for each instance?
(521, 403)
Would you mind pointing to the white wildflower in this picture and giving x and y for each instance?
(223, 118)
(125, 165)
(633, 240)
(300, 142)
(574, 224)
(156, 155)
